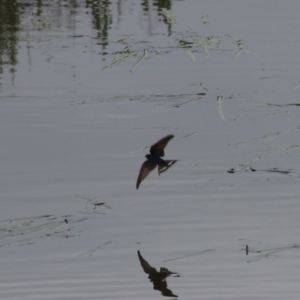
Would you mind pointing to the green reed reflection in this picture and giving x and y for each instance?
(17, 16)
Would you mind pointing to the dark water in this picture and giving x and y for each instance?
(86, 87)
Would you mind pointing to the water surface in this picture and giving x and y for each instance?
(86, 86)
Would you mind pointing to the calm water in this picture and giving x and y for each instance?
(87, 86)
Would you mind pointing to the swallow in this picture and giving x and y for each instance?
(154, 159)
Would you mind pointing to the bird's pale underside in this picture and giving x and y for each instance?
(154, 159)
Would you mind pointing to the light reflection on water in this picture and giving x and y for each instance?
(85, 87)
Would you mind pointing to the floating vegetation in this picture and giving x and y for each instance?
(268, 137)
(240, 45)
(189, 43)
(205, 89)
(289, 173)
(169, 97)
(282, 105)
(189, 255)
(168, 16)
(174, 100)
(186, 102)
(128, 55)
(281, 150)
(193, 42)
(189, 134)
(158, 278)
(92, 252)
(140, 60)
(204, 20)
(186, 47)
(220, 110)
(247, 167)
(93, 204)
(267, 252)
(208, 43)
(25, 231)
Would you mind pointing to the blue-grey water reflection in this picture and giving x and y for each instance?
(86, 87)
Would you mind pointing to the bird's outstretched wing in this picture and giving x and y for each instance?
(162, 168)
(146, 168)
(158, 148)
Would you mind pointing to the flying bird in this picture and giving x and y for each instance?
(154, 159)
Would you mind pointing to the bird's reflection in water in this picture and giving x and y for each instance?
(158, 278)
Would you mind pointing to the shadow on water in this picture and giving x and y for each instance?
(158, 278)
